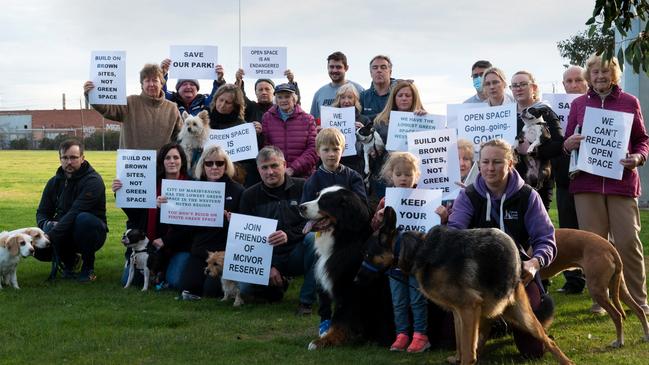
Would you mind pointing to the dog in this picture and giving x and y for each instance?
(214, 269)
(370, 140)
(13, 246)
(39, 238)
(136, 240)
(362, 311)
(475, 273)
(602, 267)
(193, 135)
(535, 132)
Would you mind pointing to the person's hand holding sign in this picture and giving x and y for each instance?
(632, 161)
(277, 238)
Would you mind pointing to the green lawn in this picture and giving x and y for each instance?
(101, 323)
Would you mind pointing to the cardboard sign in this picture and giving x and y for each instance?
(193, 203)
(264, 62)
(402, 123)
(480, 125)
(415, 207)
(343, 119)
(248, 255)
(136, 169)
(239, 142)
(438, 160)
(193, 62)
(606, 142)
(560, 103)
(108, 73)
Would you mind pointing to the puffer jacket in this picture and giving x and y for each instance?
(295, 137)
(638, 143)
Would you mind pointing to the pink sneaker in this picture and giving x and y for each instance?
(400, 343)
(419, 343)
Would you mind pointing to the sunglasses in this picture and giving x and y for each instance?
(212, 163)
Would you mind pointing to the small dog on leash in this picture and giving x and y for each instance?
(193, 135)
(13, 246)
(371, 140)
(535, 132)
(214, 269)
(136, 240)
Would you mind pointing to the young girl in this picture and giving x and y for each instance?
(402, 170)
(465, 155)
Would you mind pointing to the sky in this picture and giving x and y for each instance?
(45, 45)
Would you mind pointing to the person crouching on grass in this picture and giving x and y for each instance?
(402, 170)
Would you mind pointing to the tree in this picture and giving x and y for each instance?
(579, 47)
(618, 15)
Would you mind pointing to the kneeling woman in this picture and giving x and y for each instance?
(499, 198)
(215, 166)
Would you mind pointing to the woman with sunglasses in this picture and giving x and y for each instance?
(214, 165)
(529, 106)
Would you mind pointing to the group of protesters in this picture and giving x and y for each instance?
(298, 158)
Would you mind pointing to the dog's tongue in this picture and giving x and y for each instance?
(308, 226)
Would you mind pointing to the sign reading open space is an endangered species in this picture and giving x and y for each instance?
(264, 62)
(193, 203)
(108, 73)
(248, 255)
(480, 125)
(136, 169)
(193, 62)
(343, 119)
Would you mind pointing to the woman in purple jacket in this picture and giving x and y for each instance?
(292, 130)
(606, 206)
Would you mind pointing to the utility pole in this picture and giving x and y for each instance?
(82, 127)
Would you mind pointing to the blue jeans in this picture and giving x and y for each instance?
(175, 269)
(405, 296)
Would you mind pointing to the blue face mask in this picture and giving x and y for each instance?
(477, 83)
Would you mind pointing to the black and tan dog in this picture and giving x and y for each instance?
(474, 273)
(602, 267)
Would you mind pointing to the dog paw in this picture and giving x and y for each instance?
(312, 346)
(453, 359)
(238, 302)
(617, 344)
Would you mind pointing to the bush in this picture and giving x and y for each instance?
(111, 141)
(19, 144)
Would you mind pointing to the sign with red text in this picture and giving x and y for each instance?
(239, 142)
(193, 203)
(108, 73)
(402, 123)
(343, 119)
(193, 62)
(248, 255)
(415, 208)
(480, 125)
(438, 160)
(136, 169)
(263, 62)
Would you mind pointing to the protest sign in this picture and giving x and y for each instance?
(193, 62)
(402, 123)
(136, 169)
(606, 140)
(415, 207)
(108, 73)
(343, 119)
(239, 142)
(248, 255)
(483, 124)
(452, 111)
(560, 104)
(439, 161)
(193, 203)
(264, 62)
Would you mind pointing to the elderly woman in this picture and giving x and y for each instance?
(607, 206)
(493, 87)
(347, 96)
(213, 166)
(292, 130)
(529, 105)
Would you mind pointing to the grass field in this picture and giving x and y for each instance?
(101, 323)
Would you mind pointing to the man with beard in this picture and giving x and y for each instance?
(337, 67)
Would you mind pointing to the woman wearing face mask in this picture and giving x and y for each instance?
(493, 87)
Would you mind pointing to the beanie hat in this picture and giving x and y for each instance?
(193, 81)
(265, 80)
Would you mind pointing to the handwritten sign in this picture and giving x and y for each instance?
(264, 62)
(560, 103)
(606, 142)
(193, 62)
(343, 119)
(136, 169)
(193, 203)
(108, 73)
(480, 125)
(239, 142)
(247, 254)
(402, 123)
(439, 160)
(415, 207)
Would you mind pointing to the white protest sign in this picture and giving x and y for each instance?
(193, 62)
(606, 142)
(480, 125)
(343, 119)
(108, 73)
(415, 207)
(239, 142)
(560, 103)
(193, 203)
(248, 255)
(264, 62)
(452, 111)
(402, 123)
(439, 161)
(136, 169)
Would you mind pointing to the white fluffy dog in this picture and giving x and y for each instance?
(13, 246)
(193, 135)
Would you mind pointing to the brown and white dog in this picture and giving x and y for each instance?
(39, 238)
(137, 241)
(13, 246)
(602, 266)
(214, 269)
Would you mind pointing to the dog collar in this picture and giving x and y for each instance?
(139, 251)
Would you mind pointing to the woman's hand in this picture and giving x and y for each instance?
(573, 142)
(443, 213)
(227, 215)
(530, 268)
(116, 185)
(157, 243)
(257, 125)
(87, 86)
(160, 200)
(632, 161)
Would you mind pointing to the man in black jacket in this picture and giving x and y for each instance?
(277, 196)
(72, 212)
